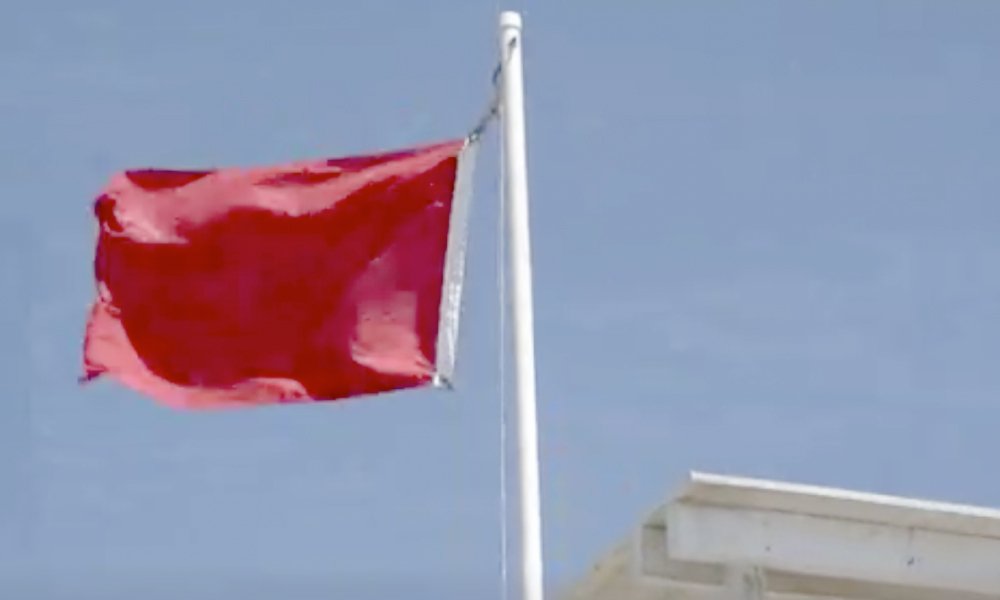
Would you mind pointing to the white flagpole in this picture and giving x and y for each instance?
(516, 197)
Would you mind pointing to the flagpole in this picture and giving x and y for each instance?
(516, 197)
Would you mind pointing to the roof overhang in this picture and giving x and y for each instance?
(764, 539)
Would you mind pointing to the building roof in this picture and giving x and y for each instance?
(762, 539)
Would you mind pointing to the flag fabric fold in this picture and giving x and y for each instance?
(318, 280)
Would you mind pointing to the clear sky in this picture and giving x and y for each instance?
(766, 244)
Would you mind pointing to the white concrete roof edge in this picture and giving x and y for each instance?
(745, 492)
(807, 543)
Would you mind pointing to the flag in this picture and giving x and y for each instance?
(311, 281)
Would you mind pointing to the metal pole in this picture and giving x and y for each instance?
(516, 192)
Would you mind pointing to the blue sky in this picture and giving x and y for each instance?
(765, 243)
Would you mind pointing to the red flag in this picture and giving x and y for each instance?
(311, 281)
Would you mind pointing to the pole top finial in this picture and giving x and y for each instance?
(510, 18)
